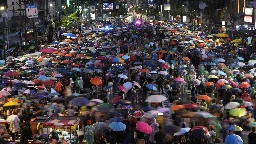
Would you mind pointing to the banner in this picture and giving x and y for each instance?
(167, 7)
(32, 11)
(92, 8)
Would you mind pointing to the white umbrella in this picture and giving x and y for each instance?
(248, 104)
(97, 100)
(16, 81)
(182, 131)
(122, 76)
(156, 98)
(128, 85)
(232, 105)
(153, 72)
(161, 61)
(28, 82)
(163, 72)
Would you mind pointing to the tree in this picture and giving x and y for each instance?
(69, 21)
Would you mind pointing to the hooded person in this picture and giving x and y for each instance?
(89, 132)
(154, 127)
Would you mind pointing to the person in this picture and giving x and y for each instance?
(89, 132)
(213, 135)
(14, 121)
(25, 132)
(252, 136)
(159, 136)
(154, 127)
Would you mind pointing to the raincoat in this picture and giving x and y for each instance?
(89, 135)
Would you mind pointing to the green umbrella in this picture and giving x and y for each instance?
(252, 124)
(104, 105)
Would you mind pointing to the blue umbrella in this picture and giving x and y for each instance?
(240, 58)
(69, 35)
(173, 62)
(151, 87)
(147, 108)
(55, 43)
(76, 69)
(79, 101)
(48, 64)
(233, 139)
(43, 78)
(117, 126)
(219, 60)
(222, 73)
(211, 64)
(125, 57)
(115, 119)
(115, 60)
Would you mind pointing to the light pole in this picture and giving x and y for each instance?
(6, 43)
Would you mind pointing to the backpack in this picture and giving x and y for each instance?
(89, 130)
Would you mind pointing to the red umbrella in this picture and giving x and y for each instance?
(48, 50)
(116, 99)
(190, 106)
(49, 82)
(164, 66)
(122, 88)
(100, 58)
(244, 85)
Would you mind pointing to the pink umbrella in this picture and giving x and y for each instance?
(48, 50)
(233, 84)
(122, 88)
(143, 127)
(137, 84)
(222, 81)
(179, 79)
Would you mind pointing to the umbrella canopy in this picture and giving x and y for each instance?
(96, 81)
(117, 126)
(156, 98)
(233, 139)
(199, 132)
(235, 128)
(232, 105)
(182, 131)
(11, 103)
(143, 127)
(238, 112)
(79, 101)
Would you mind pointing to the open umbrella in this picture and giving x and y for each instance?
(233, 139)
(204, 97)
(96, 81)
(182, 131)
(117, 126)
(151, 87)
(11, 103)
(232, 105)
(199, 132)
(244, 85)
(79, 101)
(156, 98)
(143, 127)
(238, 112)
(235, 128)
(48, 50)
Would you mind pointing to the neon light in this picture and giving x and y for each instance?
(68, 3)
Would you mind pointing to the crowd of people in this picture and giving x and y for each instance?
(132, 83)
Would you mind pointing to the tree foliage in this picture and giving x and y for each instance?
(69, 20)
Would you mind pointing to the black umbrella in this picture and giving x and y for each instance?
(58, 100)
(171, 129)
(121, 101)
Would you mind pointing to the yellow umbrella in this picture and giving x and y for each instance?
(210, 36)
(11, 103)
(221, 35)
(212, 76)
(236, 41)
(217, 40)
(238, 112)
(236, 44)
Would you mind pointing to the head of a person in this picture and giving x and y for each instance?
(89, 122)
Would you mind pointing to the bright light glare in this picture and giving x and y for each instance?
(2, 8)
(138, 22)
(50, 4)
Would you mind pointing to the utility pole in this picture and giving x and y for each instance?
(3, 52)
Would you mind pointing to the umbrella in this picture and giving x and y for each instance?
(58, 87)
(171, 129)
(233, 139)
(11, 103)
(208, 84)
(204, 97)
(179, 79)
(128, 85)
(151, 87)
(104, 105)
(97, 101)
(182, 131)
(43, 78)
(122, 76)
(232, 105)
(199, 132)
(99, 125)
(117, 126)
(177, 107)
(58, 100)
(238, 112)
(244, 85)
(190, 106)
(122, 101)
(122, 88)
(48, 50)
(79, 101)
(136, 84)
(156, 98)
(143, 127)
(96, 81)
(204, 114)
(234, 128)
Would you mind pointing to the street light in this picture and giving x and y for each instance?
(2, 8)
(50, 4)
